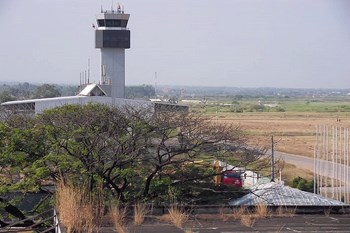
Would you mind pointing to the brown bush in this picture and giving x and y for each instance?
(178, 216)
(118, 215)
(76, 207)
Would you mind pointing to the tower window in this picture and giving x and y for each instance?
(101, 22)
(113, 23)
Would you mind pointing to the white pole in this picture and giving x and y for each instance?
(340, 162)
(336, 162)
(321, 158)
(327, 164)
(318, 160)
(343, 165)
(315, 170)
(347, 165)
(333, 162)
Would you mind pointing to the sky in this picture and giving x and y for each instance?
(237, 43)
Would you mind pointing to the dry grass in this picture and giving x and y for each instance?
(247, 220)
(223, 216)
(327, 211)
(290, 171)
(296, 130)
(118, 216)
(140, 211)
(178, 216)
(237, 213)
(77, 207)
(261, 210)
(283, 211)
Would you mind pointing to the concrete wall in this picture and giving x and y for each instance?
(113, 59)
(43, 104)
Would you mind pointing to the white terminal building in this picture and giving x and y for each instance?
(112, 37)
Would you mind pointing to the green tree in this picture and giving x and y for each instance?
(303, 184)
(141, 91)
(22, 145)
(6, 96)
(46, 91)
(132, 153)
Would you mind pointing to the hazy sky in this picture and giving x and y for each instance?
(241, 43)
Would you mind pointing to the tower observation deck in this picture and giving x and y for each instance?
(112, 37)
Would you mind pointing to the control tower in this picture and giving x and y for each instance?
(112, 37)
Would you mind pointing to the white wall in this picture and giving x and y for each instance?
(114, 61)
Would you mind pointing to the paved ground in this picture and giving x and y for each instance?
(298, 223)
(326, 168)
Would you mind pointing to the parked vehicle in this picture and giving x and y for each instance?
(232, 178)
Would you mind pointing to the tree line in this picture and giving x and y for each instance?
(26, 90)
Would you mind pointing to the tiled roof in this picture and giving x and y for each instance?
(277, 194)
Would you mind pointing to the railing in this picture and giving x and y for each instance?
(46, 222)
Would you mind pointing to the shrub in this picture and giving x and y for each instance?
(118, 215)
(303, 184)
(76, 207)
(140, 211)
(178, 216)
(261, 210)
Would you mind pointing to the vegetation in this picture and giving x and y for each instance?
(178, 216)
(46, 91)
(26, 90)
(133, 154)
(78, 208)
(118, 215)
(140, 211)
(321, 105)
(137, 156)
(142, 91)
(303, 184)
(261, 210)
(30, 91)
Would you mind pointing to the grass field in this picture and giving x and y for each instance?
(293, 128)
(294, 131)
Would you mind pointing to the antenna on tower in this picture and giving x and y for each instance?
(89, 70)
(122, 9)
(103, 73)
(112, 6)
(155, 83)
(101, 9)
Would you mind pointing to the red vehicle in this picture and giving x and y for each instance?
(232, 178)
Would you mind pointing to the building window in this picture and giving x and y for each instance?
(101, 22)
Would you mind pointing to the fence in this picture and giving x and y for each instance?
(331, 162)
(46, 222)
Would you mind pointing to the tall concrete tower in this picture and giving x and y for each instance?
(112, 37)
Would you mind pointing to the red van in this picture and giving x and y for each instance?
(232, 178)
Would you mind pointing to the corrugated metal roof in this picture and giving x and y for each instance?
(277, 194)
(42, 100)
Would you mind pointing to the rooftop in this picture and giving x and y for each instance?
(277, 194)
